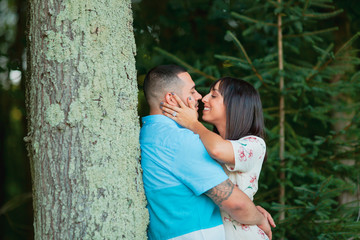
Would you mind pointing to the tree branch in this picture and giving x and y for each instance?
(186, 65)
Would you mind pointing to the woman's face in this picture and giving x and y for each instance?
(214, 109)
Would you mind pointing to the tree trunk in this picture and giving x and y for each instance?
(343, 119)
(82, 120)
(281, 116)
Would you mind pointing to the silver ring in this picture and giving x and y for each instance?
(174, 114)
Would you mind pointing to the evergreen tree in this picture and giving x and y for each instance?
(309, 84)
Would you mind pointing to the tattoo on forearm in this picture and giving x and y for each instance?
(221, 192)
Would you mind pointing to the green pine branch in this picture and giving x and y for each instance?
(312, 33)
(241, 47)
(348, 43)
(323, 5)
(229, 58)
(322, 59)
(181, 62)
(317, 69)
(306, 6)
(323, 15)
(251, 20)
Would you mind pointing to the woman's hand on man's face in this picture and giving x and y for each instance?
(184, 115)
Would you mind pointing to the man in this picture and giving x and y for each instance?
(184, 186)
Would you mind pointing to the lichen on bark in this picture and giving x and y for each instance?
(83, 123)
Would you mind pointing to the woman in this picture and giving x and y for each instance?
(233, 106)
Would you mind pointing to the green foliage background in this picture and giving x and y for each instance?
(214, 38)
(321, 59)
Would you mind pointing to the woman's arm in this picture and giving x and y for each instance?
(217, 147)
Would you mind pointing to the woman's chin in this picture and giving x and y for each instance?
(205, 119)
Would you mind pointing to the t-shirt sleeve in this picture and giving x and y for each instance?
(195, 168)
(248, 151)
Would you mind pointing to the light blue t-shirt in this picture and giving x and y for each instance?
(177, 170)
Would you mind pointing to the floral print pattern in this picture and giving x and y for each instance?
(249, 154)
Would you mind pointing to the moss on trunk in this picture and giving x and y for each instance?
(83, 123)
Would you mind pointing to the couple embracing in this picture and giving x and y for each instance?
(200, 184)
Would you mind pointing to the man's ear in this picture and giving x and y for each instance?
(169, 99)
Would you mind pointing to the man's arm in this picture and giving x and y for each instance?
(238, 205)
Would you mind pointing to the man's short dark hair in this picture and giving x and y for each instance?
(162, 79)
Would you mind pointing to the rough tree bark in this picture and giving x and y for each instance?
(281, 116)
(82, 121)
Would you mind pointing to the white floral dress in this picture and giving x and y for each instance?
(249, 155)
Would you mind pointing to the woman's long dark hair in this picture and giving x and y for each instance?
(244, 114)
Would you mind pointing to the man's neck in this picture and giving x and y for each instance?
(155, 112)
